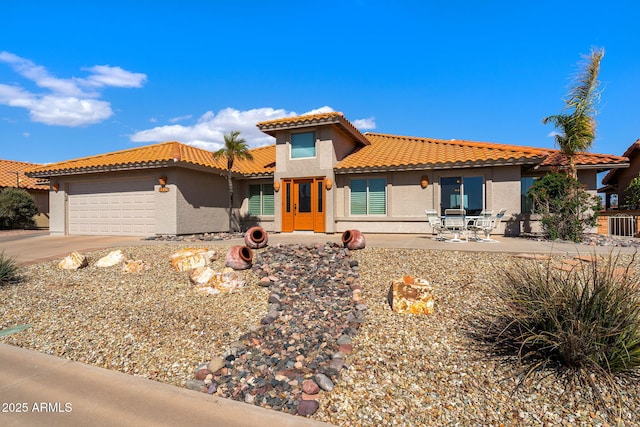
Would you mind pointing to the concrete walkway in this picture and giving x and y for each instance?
(51, 391)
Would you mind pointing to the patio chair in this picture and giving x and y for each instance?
(480, 222)
(487, 226)
(456, 223)
(435, 222)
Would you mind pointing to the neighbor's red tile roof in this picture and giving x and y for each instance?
(8, 170)
(557, 158)
(157, 154)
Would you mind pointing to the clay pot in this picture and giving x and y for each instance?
(353, 239)
(239, 257)
(256, 237)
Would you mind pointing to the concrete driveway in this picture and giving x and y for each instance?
(38, 246)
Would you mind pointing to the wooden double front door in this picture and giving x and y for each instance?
(303, 204)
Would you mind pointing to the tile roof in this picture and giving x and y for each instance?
(405, 152)
(263, 163)
(584, 160)
(382, 152)
(8, 170)
(157, 155)
(333, 118)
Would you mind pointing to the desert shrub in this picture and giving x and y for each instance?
(567, 209)
(583, 323)
(17, 208)
(8, 269)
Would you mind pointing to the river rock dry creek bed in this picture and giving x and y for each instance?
(403, 370)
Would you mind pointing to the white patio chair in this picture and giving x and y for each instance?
(487, 226)
(435, 222)
(456, 223)
(479, 223)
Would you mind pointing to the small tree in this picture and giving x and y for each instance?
(17, 208)
(234, 148)
(632, 199)
(577, 126)
(567, 209)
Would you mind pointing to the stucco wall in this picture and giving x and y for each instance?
(331, 145)
(625, 176)
(407, 200)
(201, 202)
(57, 214)
(41, 198)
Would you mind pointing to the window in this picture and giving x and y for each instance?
(462, 193)
(526, 202)
(261, 199)
(303, 145)
(369, 196)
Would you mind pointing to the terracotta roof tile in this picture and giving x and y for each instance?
(8, 170)
(263, 163)
(558, 158)
(153, 155)
(383, 152)
(134, 157)
(270, 127)
(392, 151)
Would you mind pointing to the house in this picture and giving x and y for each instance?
(321, 175)
(616, 182)
(12, 174)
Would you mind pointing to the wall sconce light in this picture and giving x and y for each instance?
(424, 181)
(163, 181)
(55, 186)
(328, 183)
(276, 186)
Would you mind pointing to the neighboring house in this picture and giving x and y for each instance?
(617, 180)
(12, 174)
(322, 175)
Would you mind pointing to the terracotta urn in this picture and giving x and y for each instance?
(256, 237)
(239, 258)
(353, 239)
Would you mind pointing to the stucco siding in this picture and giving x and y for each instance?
(202, 202)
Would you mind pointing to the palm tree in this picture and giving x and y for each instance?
(234, 148)
(577, 127)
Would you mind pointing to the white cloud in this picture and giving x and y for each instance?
(26, 134)
(180, 118)
(321, 110)
(105, 75)
(68, 102)
(69, 111)
(365, 124)
(209, 130)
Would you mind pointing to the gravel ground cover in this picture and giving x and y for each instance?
(404, 370)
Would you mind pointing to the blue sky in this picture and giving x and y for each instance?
(79, 78)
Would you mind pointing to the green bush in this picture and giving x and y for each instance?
(17, 208)
(632, 199)
(584, 323)
(567, 209)
(8, 269)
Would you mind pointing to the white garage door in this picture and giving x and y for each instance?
(112, 208)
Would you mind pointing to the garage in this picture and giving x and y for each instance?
(124, 208)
